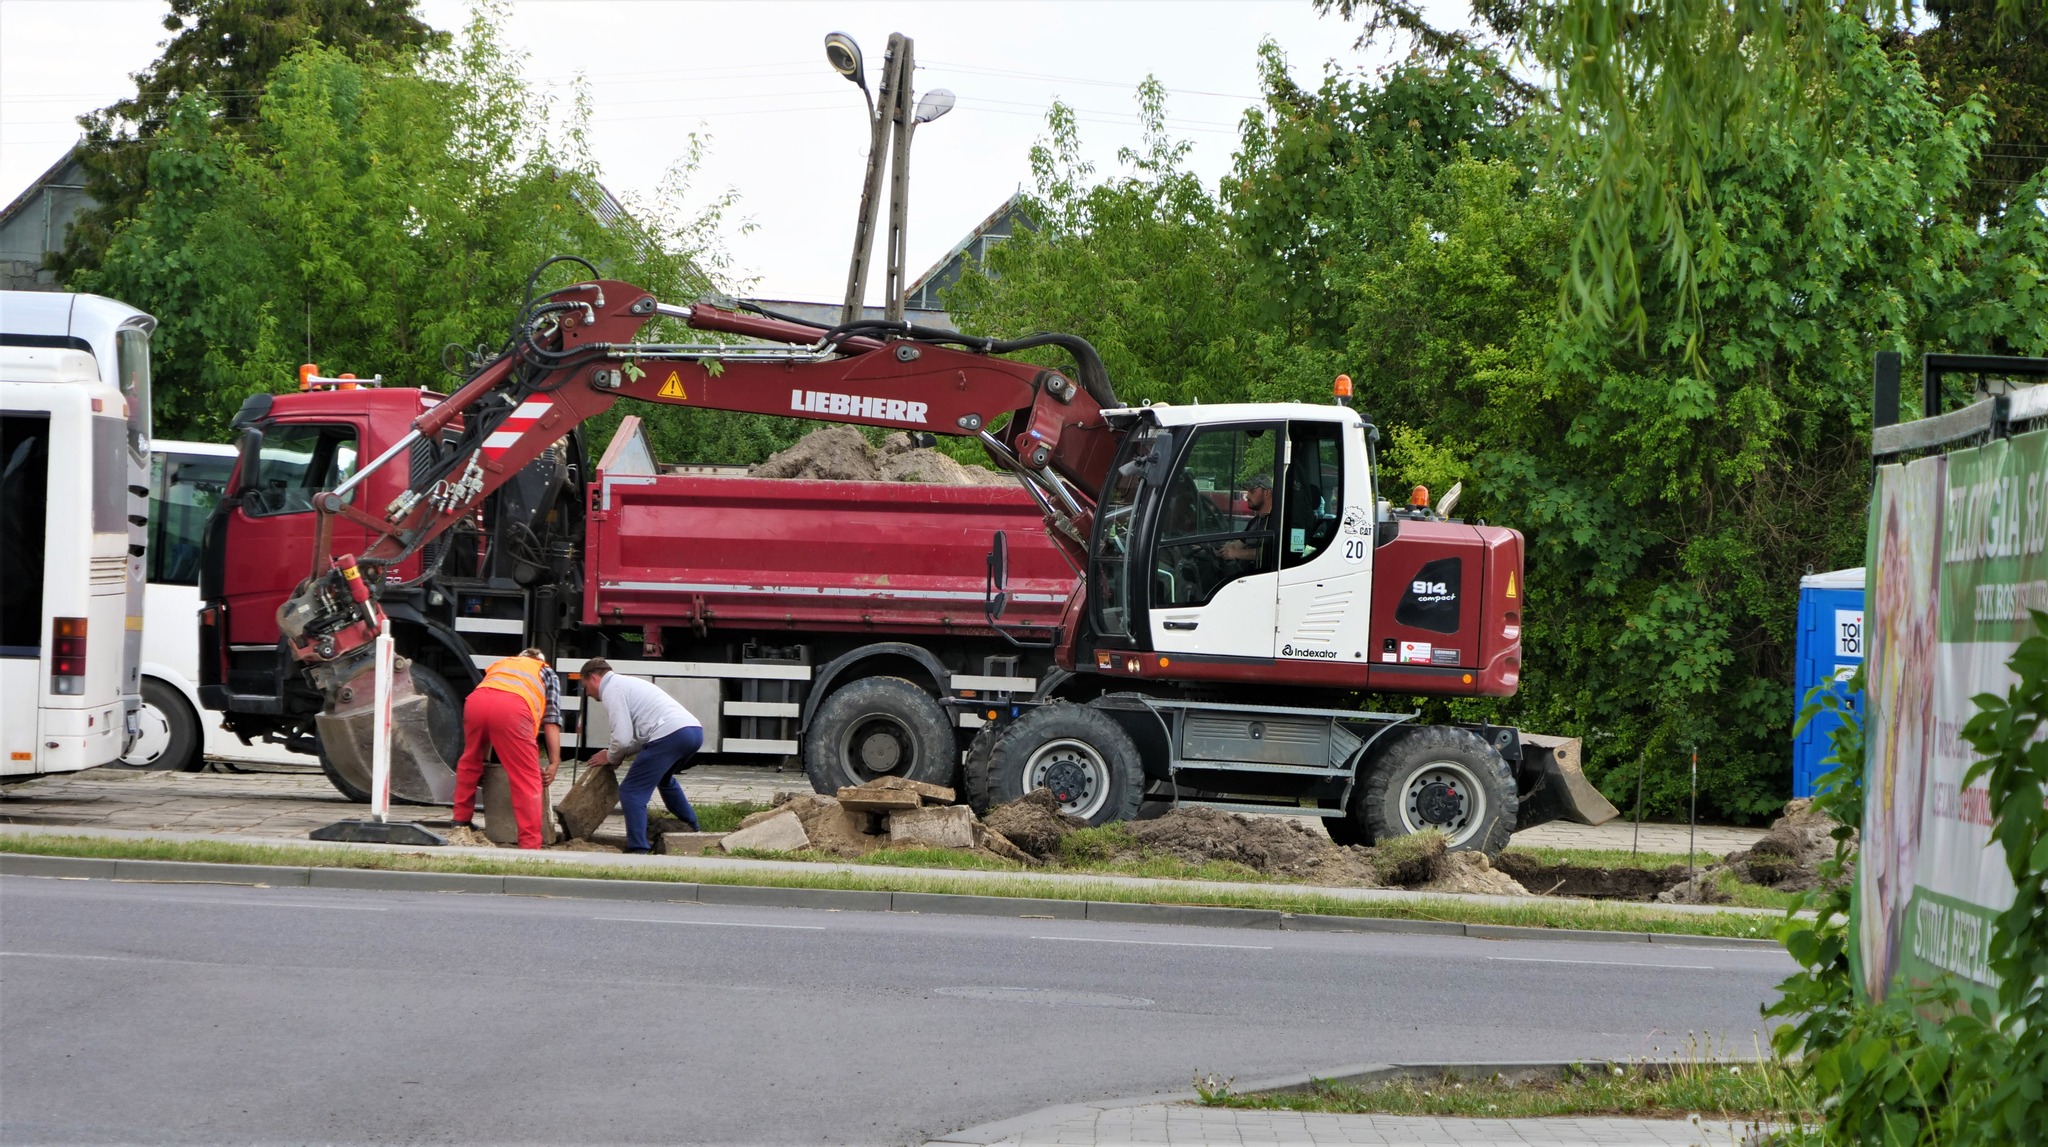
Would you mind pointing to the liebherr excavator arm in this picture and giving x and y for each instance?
(573, 353)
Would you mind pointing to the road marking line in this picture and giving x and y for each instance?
(78, 956)
(710, 923)
(1601, 963)
(1155, 943)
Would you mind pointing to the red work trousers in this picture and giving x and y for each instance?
(495, 719)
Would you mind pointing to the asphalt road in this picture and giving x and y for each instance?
(190, 1013)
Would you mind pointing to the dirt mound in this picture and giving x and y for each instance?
(1583, 880)
(1408, 861)
(468, 837)
(1034, 823)
(1472, 872)
(1274, 846)
(842, 454)
(1787, 859)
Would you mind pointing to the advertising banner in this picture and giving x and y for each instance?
(1956, 561)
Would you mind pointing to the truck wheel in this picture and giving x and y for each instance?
(1080, 753)
(1442, 778)
(877, 727)
(974, 771)
(170, 732)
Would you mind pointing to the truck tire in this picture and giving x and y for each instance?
(974, 770)
(1080, 753)
(170, 736)
(1442, 778)
(877, 727)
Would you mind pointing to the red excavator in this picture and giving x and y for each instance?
(1241, 581)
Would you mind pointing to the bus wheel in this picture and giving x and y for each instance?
(170, 732)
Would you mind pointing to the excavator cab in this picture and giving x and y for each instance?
(1235, 536)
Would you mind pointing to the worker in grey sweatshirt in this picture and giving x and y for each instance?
(646, 720)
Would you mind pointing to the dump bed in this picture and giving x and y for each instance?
(757, 554)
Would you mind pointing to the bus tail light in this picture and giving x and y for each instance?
(67, 656)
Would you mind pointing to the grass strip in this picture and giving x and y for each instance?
(1616, 917)
(1749, 1091)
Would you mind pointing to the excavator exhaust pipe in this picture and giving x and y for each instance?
(1560, 790)
(419, 773)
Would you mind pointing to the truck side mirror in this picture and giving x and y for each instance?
(998, 577)
(250, 447)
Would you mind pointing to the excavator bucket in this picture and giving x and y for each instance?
(420, 774)
(1560, 790)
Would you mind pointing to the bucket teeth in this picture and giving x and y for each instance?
(419, 774)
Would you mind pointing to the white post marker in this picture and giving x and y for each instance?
(380, 729)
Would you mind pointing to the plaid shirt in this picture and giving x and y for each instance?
(552, 686)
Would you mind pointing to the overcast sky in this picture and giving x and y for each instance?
(786, 133)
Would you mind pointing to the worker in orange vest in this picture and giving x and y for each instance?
(518, 703)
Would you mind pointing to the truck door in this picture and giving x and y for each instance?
(270, 531)
(1326, 515)
(1216, 560)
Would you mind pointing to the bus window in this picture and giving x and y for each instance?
(131, 349)
(298, 462)
(183, 491)
(24, 505)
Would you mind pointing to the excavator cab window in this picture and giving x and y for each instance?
(1313, 500)
(1140, 466)
(1217, 523)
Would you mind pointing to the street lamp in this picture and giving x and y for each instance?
(892, 113)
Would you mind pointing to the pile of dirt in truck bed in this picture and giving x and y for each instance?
(1787, 859)
(843, 454)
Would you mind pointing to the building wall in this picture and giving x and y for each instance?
(34, 224)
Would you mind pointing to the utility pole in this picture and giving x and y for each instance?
(891, 123)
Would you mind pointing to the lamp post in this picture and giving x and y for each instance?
(889, 116)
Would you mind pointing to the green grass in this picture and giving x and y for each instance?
(725, 817)
(1764, 1091)
(1535, 914)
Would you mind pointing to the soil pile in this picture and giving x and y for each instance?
(1787, 859)
(1408, 861)
(1273, 846)
(1472, 872)
(468, 837)
(842, 454)
(1034, 823)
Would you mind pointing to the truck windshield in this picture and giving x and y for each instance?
(1148, 449)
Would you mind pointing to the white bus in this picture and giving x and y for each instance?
(74, 468)
(186, 480)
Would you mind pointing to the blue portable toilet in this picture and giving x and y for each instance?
(1830, 647)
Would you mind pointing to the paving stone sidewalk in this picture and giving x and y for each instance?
(1187, 1125)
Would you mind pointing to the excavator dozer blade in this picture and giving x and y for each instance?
(1561, 790)
(419, 773)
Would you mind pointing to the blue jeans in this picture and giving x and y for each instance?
(655, 769)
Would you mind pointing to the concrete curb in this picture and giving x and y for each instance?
(837, 899)
(985, 1134)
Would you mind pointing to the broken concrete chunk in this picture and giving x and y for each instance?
(782, 832)
(870, 799)
(932, 794)
(996, 842)
(945, 826)
(690, 843)
(592, 799)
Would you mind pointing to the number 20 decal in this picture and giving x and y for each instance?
(1355, 550)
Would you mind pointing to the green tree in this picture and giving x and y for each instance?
(223, 50)
(375, 216)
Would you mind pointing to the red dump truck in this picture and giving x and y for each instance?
(802, 620)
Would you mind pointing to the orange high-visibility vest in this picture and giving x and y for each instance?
(520, 676)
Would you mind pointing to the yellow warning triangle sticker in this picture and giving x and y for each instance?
(1511, 582)
(673, 388)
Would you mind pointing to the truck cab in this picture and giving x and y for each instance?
(1249, 543)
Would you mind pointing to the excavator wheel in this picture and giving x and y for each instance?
(1080, 753)
(974, 770)
(1437, 777)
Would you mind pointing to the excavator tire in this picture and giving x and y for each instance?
(1437, 777)
(876, 727)
(1080, 753)
(974, 771)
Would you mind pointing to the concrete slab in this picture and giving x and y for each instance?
(783, 832)
(940, 826)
